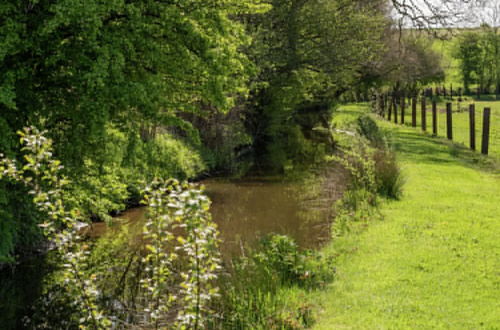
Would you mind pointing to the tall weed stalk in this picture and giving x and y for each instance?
(41, 173)
(178, 267)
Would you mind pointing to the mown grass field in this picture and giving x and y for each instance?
(433, 261)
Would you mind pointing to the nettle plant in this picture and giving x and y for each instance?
(359, 161)
(181, 257)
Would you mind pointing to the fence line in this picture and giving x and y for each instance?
(388, 104)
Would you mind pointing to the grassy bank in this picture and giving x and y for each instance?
(433, 261)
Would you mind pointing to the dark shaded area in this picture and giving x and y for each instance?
(21, 285)
(430, 149)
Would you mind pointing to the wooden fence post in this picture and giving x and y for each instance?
(434, 118)
(395, 105)
(403, 101)
(486, 131)
(389, 110)
(384, 104)
(472, 126)
(414, 112)
(424, 115)
(449, 121)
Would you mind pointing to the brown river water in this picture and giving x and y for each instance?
(246, 210)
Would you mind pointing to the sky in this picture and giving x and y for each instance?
(484, 11)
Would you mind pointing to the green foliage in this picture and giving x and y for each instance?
(300, 74)
(390, 180)
(356, 206)
(18, 230)
(101, 76)
(285, 308)
(281, 258)
(478, 53)
(360, 200)
(388, 177)
(371, 162)
(262, 290)
(469, 53)
(373, 171)
(98, 191)
(165, 157)
(178, 267)
(41, 174)
(14, 206)
(368, 128)
(358, 160)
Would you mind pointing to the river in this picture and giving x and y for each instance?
(245, 210)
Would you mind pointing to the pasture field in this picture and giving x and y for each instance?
(451, 66)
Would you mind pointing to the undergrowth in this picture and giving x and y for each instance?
(268, 289)
(374, 173)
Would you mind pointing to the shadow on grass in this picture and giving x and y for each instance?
(436, 150)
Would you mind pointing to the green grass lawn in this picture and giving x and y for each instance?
(433, 261)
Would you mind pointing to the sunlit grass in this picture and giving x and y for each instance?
(433, 262)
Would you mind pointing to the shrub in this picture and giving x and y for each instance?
(178, 265)
(368, 128)
(389, 178)
(261, 290)
(372, 165)
(280, 257)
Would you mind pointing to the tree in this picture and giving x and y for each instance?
(408, 63)
(427, 14)
(490, 18)
(104, 75)
(469, 53)
(308, 52)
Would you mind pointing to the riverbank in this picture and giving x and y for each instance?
(433, 261)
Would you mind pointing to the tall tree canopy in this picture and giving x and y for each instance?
(76, 65)
(98, 74)
(134, 88)
(308, 52)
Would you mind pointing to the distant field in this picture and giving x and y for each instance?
(451, 66)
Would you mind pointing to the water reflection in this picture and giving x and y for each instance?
(246, 210)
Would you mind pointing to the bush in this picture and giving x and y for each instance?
(261, 292)
(389, 178)
(178, 263)
(111, 182)
(373, 171)
(373, 166)
(281, 258)
(368, 128)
